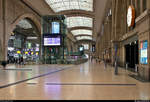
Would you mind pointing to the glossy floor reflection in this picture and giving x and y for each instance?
(16, 73)
(89, 81)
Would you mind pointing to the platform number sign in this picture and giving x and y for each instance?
(143, 52)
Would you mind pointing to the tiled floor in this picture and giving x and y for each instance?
(89, 81)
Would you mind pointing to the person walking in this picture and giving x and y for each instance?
(91, 58)
(105, 64)
(22, 61)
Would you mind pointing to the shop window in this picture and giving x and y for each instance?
(109, 13)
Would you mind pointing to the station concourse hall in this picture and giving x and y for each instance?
(75, 50)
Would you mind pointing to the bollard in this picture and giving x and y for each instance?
(126, 66)
(136, 68)
(116, 68)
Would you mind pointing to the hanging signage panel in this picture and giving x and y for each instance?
(55, 28)
(52, 40)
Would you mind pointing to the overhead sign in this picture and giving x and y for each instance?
(32, 38)
(131, 16)
(52, 40)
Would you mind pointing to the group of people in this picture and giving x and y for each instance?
(99, 60)
(19, 60)
(96, 58)
(15, 60)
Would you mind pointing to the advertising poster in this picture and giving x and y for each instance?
(144, 57)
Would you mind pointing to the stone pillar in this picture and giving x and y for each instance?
(137, 8)
(148, 4)
(141, 6)
(143, 35)
(3, 27)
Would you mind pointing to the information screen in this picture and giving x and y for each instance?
(144, 46)
(52, 40)
(55, 28)
(81, 48)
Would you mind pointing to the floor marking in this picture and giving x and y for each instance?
(91, 84)
(18, 82)
(20, 69)
(31, 83)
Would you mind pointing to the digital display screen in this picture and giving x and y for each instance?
(55, 28)
(52, 41)
(144, 46)
(81, 48)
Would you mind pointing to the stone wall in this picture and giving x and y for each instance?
(122, 34)
(143, 26)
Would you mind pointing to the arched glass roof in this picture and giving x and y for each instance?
(24, 24)
(79, 21)
(84, 38)
(81, 32)
(63, 5)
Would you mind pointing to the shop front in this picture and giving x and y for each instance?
(136, 46)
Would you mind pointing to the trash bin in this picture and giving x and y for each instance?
(4, 63)
(127, 66)
(136, 67)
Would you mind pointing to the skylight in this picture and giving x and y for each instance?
(79, 22)
(81, 32)
(84, 38)
(63, 5)
(24, 24)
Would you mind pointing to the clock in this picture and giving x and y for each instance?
(131, 16)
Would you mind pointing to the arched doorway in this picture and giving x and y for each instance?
(24, 43)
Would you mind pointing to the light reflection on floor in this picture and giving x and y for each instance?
(92, 73)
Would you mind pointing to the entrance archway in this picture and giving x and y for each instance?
(24, 41)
